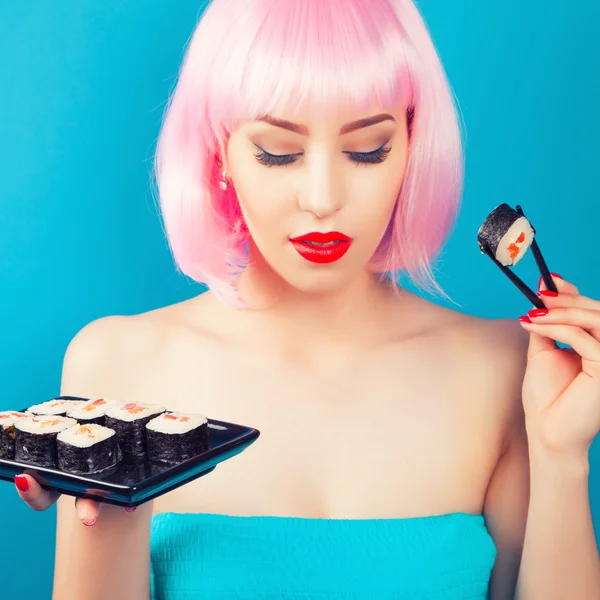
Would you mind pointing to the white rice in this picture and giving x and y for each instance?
(132, 411)
(84, 436)
(54, 407)
(10, 417)
(44, 424)
(172, 422)
(95, 407)
(509, 253)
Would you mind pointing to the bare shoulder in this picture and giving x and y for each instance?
(499, 341)
(493, 359)
(496, 341)
(497, 346)
(102, 355)
(484, 360)
(102, 349)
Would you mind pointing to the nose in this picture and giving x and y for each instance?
(323, 191)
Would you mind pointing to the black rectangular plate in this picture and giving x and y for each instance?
(138, 480)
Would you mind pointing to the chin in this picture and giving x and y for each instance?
(320, 281)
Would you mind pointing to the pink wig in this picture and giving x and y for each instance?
(248, 58)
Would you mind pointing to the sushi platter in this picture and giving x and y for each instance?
(112, 451)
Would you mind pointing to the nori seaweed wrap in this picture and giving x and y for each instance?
(507, 234)
(175, 437)
(129, 421)
(35, 441)
(8, 418)
(87, 448)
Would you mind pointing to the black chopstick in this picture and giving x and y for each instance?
(528, 292)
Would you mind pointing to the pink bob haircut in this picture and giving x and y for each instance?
(248, 58)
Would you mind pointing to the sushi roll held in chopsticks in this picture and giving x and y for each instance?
(507, 234)
(93, 410)
(129, 421)
(87, 448)
(35, 440)
(174, 437)
(8, 418)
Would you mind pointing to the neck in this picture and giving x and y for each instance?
(351, 313)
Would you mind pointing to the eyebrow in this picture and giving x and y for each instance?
(347, 128)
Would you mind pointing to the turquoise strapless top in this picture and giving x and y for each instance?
(199, 556)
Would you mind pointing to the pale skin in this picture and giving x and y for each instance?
(322, 351)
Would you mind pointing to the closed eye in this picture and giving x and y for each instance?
(360, 158)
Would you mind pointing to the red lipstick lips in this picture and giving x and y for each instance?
(322, 248)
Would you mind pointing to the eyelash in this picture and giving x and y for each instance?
(360, 158)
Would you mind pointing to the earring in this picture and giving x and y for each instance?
(223, 184)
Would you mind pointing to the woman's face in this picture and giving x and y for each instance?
(338, 176)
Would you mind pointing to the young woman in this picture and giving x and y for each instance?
(309, 151)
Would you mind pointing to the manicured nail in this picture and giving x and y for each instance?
(548, 293)
(537, 312)
(130, 508)
(88, 523)
(524, 319)
(556, 275)
(21, 483)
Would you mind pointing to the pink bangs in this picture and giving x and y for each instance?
(248, 58)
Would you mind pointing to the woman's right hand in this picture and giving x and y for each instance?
(38, 498)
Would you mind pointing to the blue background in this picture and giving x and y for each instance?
(83, 89)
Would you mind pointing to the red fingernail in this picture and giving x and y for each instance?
(89, 523)
(556, 275)
(525, 319)
(547, 293)
(21, 483)
(537, 312)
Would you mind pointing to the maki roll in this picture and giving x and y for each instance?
(506, 234)
(87, 448)
(8, 418)
(174, 437)
(93, 410)
(35, 441)
(129, 421)
(57, 406)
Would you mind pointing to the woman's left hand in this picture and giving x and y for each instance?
(561, 387)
